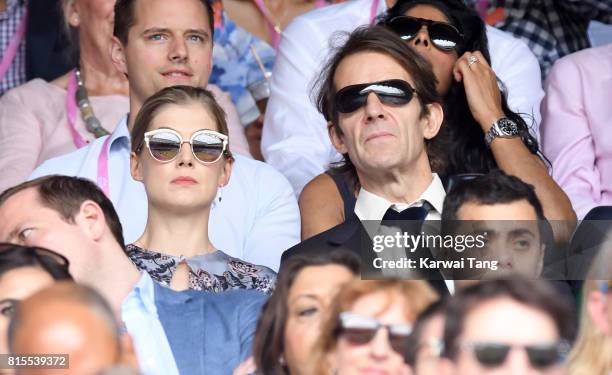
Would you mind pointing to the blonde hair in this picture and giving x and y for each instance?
(592, 352)
(416, 296)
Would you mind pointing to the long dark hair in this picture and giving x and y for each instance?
(269, 343)
(461, 134)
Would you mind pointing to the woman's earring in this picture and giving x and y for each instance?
(220, 193)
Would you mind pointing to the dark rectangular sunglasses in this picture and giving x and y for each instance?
(391, 92)
(444, 36)
(540, 356)
(360, 330)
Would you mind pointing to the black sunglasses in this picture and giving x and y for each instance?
(540, 356)
(444, 36)
(360, 330)
(391, 92)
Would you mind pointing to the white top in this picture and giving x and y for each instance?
(139, 314)
(257, 219)
(295, 138)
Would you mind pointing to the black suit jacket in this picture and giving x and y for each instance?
(351, 235)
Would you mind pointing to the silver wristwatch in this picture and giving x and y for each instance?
(504, 127)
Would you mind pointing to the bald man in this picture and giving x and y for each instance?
(67, 318)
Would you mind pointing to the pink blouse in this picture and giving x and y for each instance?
(576, 126)
(34, 126)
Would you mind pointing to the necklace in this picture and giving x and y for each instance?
(92, 123)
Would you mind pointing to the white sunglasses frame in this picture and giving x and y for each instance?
(148, 135)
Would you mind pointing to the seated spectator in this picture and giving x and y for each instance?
(551, 29)
(506, 326)
(42, 120)
(290, 321)
(423, 352)
(480, 133)
(73, 320)
(182, 184)
(508, 211)
(295, 139)
(258, 217)
(381, 101)
(352, 338)
(24, 270)
(73, 217)
(575, 122)
(592, 353)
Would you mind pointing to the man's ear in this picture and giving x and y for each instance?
(432, 122)
(135, 166)
(117, 53)
(128, 353)
(91, 220)
(336, 139)
(597, 307)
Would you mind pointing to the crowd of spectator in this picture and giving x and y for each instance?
(305, 187)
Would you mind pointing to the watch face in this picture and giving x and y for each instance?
(507, 127)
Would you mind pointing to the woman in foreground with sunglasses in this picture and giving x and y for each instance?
(369, 326)
(480, 133)
(180, 152)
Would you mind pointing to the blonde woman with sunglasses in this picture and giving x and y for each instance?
(180, 152)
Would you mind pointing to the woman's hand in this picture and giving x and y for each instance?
(481, 89)
(246, 367)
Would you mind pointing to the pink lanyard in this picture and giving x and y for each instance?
(102, 179)
(71, 110)
(11, 50)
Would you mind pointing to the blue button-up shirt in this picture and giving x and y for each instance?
(257, 219)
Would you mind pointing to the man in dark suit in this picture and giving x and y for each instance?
(174, 332)
(379, 98)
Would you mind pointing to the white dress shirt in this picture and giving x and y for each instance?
(139, 314)
(295, 138)
(372, 207)
(257, 219)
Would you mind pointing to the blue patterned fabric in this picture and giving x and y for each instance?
(235, 66)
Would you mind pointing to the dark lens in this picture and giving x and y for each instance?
(444, 36)
(399, 342)
(350, 98)
(491, 355)
(541, 356)
(359, 336)
(207, 147)
(406, 27)
(393, 92)
(164, 146)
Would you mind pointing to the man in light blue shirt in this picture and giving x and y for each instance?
(191, 332)
(170, 43)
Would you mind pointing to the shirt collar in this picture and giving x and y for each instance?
(142, 296)
(370, 206)
(121, 135)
